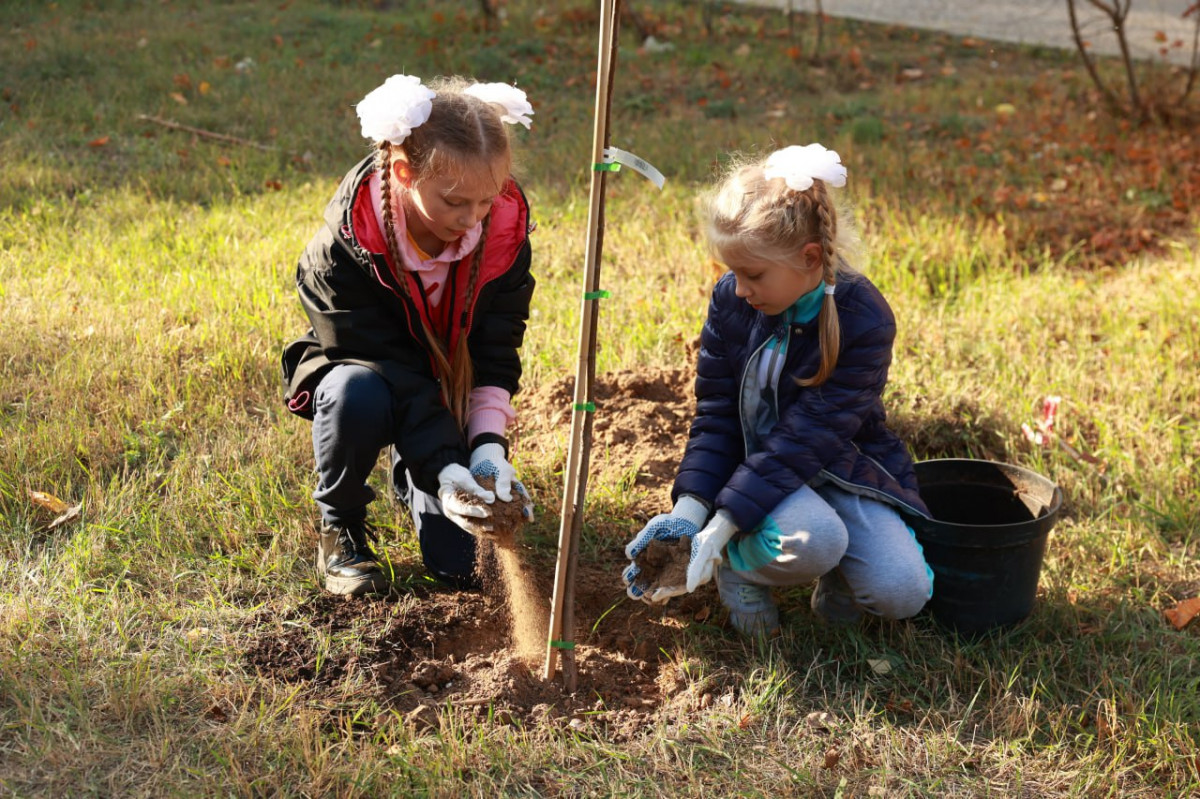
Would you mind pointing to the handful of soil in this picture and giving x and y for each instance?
(507, 517)
(664, 564)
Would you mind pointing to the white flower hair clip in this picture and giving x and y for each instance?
(391, 111)
(517, 109)
(799, 166)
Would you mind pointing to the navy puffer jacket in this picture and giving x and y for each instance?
(834, 432)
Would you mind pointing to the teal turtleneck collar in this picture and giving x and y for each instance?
(805, 309)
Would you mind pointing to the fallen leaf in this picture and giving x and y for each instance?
(1184, 612)
(100, 142)
(179, 98)
(832, 756)
(880, 666)
(47, 501)
(820, 720)
(71, 515)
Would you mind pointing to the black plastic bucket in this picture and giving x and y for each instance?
(986, 540)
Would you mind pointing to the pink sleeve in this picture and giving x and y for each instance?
(490, 411)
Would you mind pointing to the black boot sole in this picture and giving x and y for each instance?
(374, 583)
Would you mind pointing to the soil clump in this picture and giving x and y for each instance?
(507, 518)
(664, 564)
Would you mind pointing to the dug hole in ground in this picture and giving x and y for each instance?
(428, 652)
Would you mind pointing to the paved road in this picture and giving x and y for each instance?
(1023, 21)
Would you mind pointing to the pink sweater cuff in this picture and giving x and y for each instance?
(490, 411)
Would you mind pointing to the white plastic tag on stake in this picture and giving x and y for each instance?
(637, 164)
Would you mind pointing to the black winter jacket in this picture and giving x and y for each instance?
(834, 432)
(360, 315)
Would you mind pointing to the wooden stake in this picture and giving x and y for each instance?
(562, 612)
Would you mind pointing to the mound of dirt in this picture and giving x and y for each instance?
(640, 428)
(431, 653)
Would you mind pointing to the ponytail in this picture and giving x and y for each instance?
(828, 326)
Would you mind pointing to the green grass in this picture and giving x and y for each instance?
(146, 289)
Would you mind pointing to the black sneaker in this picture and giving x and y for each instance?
(345, 560)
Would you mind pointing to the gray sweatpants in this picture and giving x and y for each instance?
(817, 530)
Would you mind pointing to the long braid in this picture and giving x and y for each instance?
(437, 347)
(829, 326)
(462, 369)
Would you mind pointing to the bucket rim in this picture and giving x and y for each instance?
(1052, 507)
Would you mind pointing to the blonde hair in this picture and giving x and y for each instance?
(462, 132)
(751, 215)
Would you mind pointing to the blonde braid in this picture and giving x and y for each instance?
(829, 326)
(437, 347)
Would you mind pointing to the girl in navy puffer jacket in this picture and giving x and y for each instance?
(790, 473)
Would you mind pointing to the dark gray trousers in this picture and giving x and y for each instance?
(352, 424)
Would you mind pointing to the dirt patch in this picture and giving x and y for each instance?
(432, 654)
(638, 434)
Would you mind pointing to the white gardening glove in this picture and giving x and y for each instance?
(707, 546)
(685, 518)
(488, 461)
(473, 518)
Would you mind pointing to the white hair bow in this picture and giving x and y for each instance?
(799, 166)
(517, 109)
(391, 111)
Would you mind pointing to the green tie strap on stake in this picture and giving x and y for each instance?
(563, 644)
(606, 166)
(596, 295)
(562, 605)
(590, 407)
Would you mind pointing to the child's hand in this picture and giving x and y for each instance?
(683, 520)
(488, 461)
(471, 514)
(707, 547)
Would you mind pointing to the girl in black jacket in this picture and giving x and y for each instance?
(417, 288)
(790, 473)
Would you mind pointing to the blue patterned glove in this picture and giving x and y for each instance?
(686, 518)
